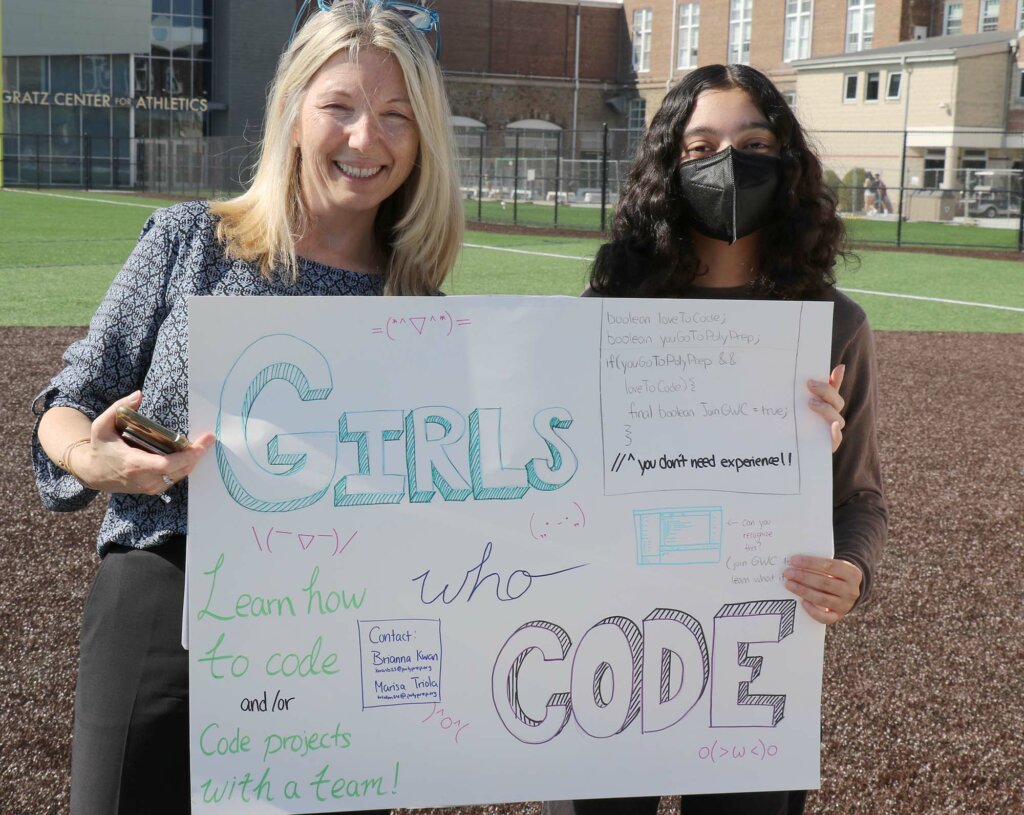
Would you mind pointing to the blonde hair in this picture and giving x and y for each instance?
(420, 226)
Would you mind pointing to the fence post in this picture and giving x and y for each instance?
(480, 179)
(903, 182)
(87, 160)
(558, 171)
(515, 182)
(1020, 225)
(604, 172)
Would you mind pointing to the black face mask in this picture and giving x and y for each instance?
(731, 194)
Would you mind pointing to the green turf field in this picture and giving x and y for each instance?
(861, 230)
(58, 253)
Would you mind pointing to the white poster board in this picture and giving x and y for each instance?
(484, 549)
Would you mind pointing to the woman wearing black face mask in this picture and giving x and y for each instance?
(725, 200)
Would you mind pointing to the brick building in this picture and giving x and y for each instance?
(86, 84)
(552, 69)
(669, 37)
(860, 73)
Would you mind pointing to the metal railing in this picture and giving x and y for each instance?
(531, 178)
(183, 167)
(568, 180)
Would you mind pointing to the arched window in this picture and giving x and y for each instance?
(535, 134)
(467, 134)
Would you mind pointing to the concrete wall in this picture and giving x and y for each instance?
(836, 128)
(982, 91)
(974, 87)
(249, 36)
(821, 105)
(67, 27)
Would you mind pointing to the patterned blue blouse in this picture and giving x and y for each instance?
(138, 339)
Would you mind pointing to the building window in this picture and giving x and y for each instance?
(970, 163)
(934, 168)
(1020, 85)
(178, 65)
(989, 20)
(892, 90)
(642, 18)
(689, 22)
(741, 13)
(850, 88)
(65, 74)
(974, 160)
(96, 76)
(531, 134)
(636, 122)
(637, 113)
(470, 135)
(1020, 15)
(953, 21)
(872, 83)
(9, 65)
(790, 97)
(797, 43)
(860, 24)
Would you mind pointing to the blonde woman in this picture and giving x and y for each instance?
(355, 192)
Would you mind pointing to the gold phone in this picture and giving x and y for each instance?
(139, 431)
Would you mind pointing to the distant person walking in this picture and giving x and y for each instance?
(870, 192)
(882, 201)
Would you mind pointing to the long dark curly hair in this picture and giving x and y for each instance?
(651, 252)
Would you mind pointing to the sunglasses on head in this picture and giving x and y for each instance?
(421, 18)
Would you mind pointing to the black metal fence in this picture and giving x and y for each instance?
(198, 167)
(567, 179)
(893, 187)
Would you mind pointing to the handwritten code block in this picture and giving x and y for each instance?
(670, 378)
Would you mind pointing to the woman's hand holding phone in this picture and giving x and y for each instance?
(111, 464)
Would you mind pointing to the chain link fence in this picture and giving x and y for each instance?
(546, 178)
(901, 188)
(891, 186)
(194, 168)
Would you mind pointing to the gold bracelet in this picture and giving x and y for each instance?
(64, 462)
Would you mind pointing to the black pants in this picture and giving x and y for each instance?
(733, 803)
(130, 749)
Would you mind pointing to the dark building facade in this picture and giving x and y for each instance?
(86, 86)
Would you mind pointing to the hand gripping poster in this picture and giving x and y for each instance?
(469, 550)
